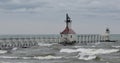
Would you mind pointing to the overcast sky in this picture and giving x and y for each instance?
(47, 16)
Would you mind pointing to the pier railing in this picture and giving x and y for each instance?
(90, 38)
(10, 42)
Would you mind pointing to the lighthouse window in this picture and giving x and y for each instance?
(71, 36)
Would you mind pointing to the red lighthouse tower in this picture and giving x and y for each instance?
(68, 36)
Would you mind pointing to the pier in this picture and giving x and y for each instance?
(90, 38)
(26, 42)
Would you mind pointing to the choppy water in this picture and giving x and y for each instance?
(56, 53)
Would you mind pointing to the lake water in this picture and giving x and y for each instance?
(108, 52)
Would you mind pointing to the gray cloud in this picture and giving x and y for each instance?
(34, 5)
(85, 13)
(22, 5)
(88, 8)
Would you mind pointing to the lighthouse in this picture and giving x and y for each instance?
(107, 34)
(68, 36)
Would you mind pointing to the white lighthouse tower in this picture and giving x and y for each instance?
(107, 34)
(68, 36)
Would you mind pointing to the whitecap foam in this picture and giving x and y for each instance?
(77, 46)
(3, 51)
(25, 57)
(11, 62)
(13, 57)
(68, 50)
(44, 44)
(42, 57)
(90, 51)
(38, 57)
(8, 57)
(93, 46)
(97, 51)
(116, 46)
(15, 48)
(86, 56)
(89, 54)
(47, 57)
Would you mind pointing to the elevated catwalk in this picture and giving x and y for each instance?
(26, 42)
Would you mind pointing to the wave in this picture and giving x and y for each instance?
(86, 56)
(8, 57)
(3, 51)
(78, 46)
(48, 57)
(84, 46)
(90, 51)
(12, 62)
(4, 62)
(38, 57)
(68, 50)
(15, 48)
(116, 46)
(44, 44)
(89, 54)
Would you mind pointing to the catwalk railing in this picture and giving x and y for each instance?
(24, 42)
(91, 38)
